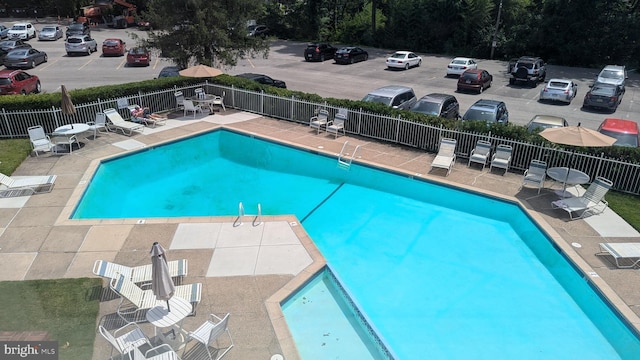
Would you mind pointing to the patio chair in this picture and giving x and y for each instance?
(621, 252)
(143, 300)
(535, 174)
(99, 124)
(160, 352)
(592, 202)
(190, 106)
(116, 120)
(39, 140)
(125, 338)
(336, 125)
(481, 153)
(210, 332)
(501, 158)
(138, 274)
(199, 92)
(179, 99)
(25, 185)
(147, 121)
(319, 121)
(64, 141)
(446, 156)
(219, 100)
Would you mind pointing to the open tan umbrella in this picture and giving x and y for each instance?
(200, 71)
(575, 136)
(67, 106)
(161, 281)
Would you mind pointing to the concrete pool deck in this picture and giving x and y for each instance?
(246, 269)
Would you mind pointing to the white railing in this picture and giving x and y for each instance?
(625, 176)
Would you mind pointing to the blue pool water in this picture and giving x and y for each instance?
(441, 273)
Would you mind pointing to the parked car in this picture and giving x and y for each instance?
(437, 104)
(257, 30)
(559, 90)
(350, 54)
(114, 47)
(474, 80)
(78, 28)
(625, 131)
(4, 32)
(603, 96)
(528, 70)
(23, 31)
(396, 96)
(459, 65)
(319, 52)
(24, 58)
(264, 79)
(403, 60)
(8, 45)
(50, 32)
(169, 71)
(18, 82)
(138, 56)
(80, 44)
(613, 74)
(541, 122)
(487, 110)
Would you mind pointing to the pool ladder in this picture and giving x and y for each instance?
(257, 220)
(346, 163)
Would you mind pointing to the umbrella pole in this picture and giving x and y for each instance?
(564, 183)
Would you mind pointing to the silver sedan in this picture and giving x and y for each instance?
(559, 90)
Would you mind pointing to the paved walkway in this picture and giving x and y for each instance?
(246, 270)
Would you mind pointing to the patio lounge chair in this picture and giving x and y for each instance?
(98, 125)
(592, 202)
(143, 300)
(116, 120)
(319, 121)
(137, 274)
(481, 153)
(125, 338)
(210, 332)
(336, 125)
(501, 158)
(151, 122)
(622, 251)
(535, 174)
(39, 140)
(446, 156)
(25, 185)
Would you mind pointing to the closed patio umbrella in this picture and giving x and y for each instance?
(161, 281)
(201, 71)
(67, 105)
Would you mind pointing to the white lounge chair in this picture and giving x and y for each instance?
(151, 122)
(592, 202)
(143, 300)
(25, 185)
(535, 174)
(481, 153)
(137, 274)
(336, 125)
(39, 140)
(622, 251)
(446, 156)
(501, 158)
(116, 120)
(125, 338)
(319, 121)
(190, 106)
(99, 124)
(210, 332)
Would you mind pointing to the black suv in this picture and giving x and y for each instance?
(530, 70)
(78, 29)
(264, 79)
(319, 52)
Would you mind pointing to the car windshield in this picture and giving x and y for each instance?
(377, 98)
(536, 125)
(48, 29)
(5, 81)
(111, 43)
(74, 40)
(398, 56)
(76, 27)
(137, 51)
(612, 74)
(558, 84)
(459, 62)
(469, 76)
(480, 114)
(427, 107)
(18, 53)
(622, 139)
(603, 90)
(18, 27)
(526, 65)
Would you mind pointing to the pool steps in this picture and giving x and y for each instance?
(257, 220)
(346, 164)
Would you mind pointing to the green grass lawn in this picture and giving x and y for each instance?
(66, 308)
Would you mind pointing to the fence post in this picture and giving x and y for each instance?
(262, 102)
(293, 117)
(55, 118)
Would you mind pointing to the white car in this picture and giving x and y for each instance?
(459, 65)
(403, 60)
(559, 90)
(24, 31)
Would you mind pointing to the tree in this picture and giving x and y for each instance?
(205, 32)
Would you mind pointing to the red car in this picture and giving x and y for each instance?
(114, 47)
(626, 131)
(474, 80)
(138, 57)
(18, 82)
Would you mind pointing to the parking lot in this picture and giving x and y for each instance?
(285, 62)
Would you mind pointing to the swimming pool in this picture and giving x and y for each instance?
(432, 267)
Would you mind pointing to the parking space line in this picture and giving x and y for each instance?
(48, 64)
(155, 63)
(85, 64)
(121, 65)
(251, 63)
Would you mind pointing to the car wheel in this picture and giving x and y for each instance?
(46, 58)
(366, 57)
(351, 61)
(490, 82)
(38, 87)
(406, 66)
(23, 92)
(512, 81)
(419, 63)
(481, 89)
(322, 57)
(32, 64)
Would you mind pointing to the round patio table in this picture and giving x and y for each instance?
(163, 317)
(574, 177)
